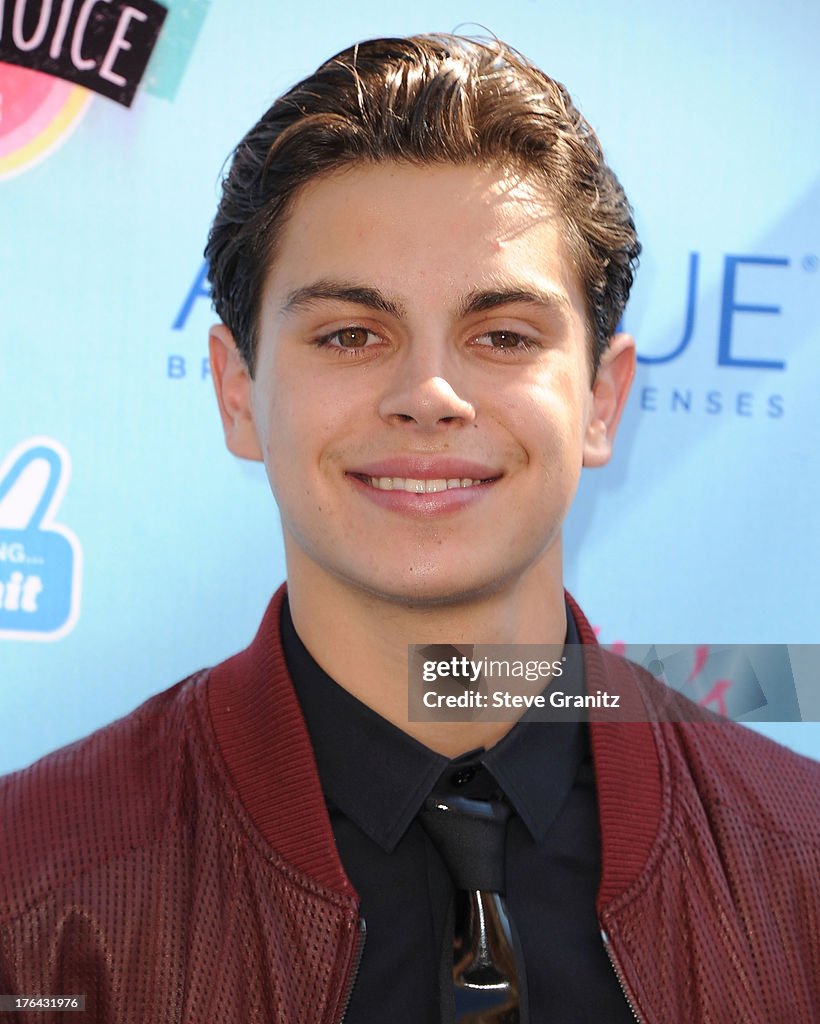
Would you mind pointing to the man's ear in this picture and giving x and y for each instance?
(232, 383)
(609, 393)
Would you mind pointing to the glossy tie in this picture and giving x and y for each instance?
(488, 979)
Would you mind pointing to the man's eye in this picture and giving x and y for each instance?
(349, 337)
(504, 340)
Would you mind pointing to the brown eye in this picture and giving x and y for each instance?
(353, 337)
(503, 339)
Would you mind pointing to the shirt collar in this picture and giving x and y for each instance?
(379, 777)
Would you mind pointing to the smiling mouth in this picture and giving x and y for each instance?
(416, 486)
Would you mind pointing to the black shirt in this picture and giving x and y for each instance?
(375, 779)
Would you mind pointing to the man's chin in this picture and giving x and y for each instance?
(428, 591)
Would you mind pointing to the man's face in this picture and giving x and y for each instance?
(422, 397)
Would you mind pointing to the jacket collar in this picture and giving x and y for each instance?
(262, 736)
(631, 775)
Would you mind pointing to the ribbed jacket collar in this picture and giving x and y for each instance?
(265, 745)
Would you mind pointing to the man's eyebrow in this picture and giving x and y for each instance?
(327, 290)
(341, 291)
(483, 301)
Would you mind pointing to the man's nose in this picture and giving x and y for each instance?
(427, 396)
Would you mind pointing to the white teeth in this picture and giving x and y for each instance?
(398, 483)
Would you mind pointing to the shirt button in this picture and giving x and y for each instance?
(463, 776)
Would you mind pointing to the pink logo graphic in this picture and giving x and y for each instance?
(37, 114)
(722, 680)
(717, 694)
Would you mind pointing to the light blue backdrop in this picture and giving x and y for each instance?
(705, 527)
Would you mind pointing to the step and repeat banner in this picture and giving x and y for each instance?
(134, 549)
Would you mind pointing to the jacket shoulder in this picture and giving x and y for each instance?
(92, 800)
(736, 770)
(753, 779)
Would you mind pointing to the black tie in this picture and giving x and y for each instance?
(487, 969)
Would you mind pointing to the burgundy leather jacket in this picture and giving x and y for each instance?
(179, 865)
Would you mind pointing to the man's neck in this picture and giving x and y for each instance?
(361, 640)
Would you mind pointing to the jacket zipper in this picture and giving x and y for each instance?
(357, 959)
(619, 975)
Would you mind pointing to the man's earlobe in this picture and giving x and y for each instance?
(609, 393)
(232, 383)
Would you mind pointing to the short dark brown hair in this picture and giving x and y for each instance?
(432, 99)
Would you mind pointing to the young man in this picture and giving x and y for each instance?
(419, 262)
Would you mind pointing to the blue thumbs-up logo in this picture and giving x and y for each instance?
(40, 561)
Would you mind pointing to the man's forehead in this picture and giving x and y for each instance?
(508, 192)
(477, 230)
(397, 197)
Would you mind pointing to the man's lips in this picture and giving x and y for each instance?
(439, 484)
(414, 473)
(414, 485)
